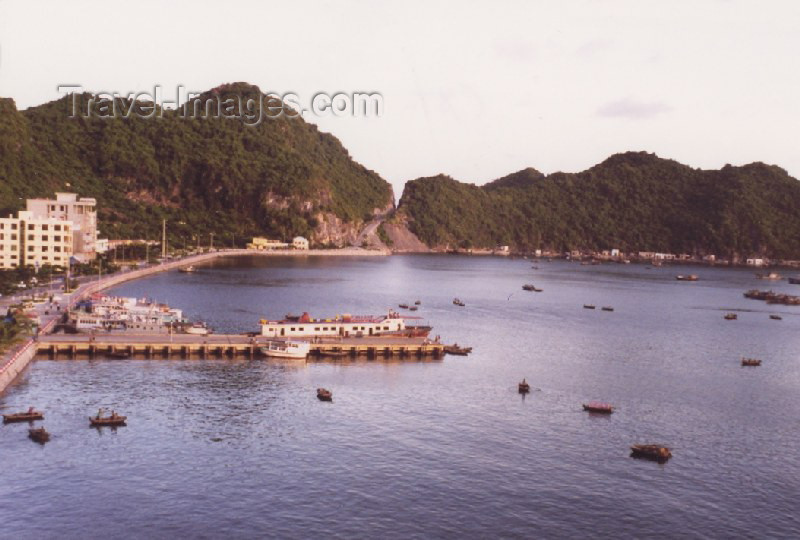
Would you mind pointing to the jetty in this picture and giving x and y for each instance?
(118, 345)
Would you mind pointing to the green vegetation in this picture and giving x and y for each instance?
(384, 236)
(207, 175)
(633, 201)
(14, 328)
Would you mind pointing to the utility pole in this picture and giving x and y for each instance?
(163, 238)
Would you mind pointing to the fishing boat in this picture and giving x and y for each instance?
(771, 275)
(655, 452)
(187, 269)
(524, 387)
(751, 362)
(197, 329)
(596, 407)
(39, 435)
(287, 349)
(113, 420)
(776, 317)
(324, 394)
(458, 302)
(607, 308)
(528, 287)
(413, 308)
(403, 306)
(690, 277)
(417, 302)
(731, 316)
(455, 349)
(794, 280)
(29, 416)
(588, 306)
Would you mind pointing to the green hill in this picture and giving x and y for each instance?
(281, 177)
(633, 201)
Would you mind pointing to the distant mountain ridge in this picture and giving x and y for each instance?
(281, 177)
(633, 201)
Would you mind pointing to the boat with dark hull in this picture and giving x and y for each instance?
(324, 394)
(598, 408)
(751, 362)
(40, 435)
(113, 420)
(455, 349)
(655, 452)
(523, 387)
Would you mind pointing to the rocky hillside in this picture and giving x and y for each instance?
(280, 177)
(633, 201)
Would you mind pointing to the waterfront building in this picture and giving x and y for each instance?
(27, 240)
(755, 262)
(81, 212)
(262, 243)
(299, 243)
(342, 326)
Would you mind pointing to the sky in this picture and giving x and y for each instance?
(475, 90)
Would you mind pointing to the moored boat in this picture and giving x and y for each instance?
(731, 316)
(187, 269)
(287, 349)
(600, 408)
(690, 277)
(655, 452)
(324, 394)
(458, 302)
(524, 387)
(413, 308)
(794, 281)
(751, 362)
(455, 349)
(528, 287)
(588, 306)
(403, 306)
(607, 308)
(771, 275)
(776, 317)
(198, 329)
(39, 435)
(417, 302)
(29, 416)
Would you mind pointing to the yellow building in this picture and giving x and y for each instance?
(82, 212)
(30, 241)
(262, 243)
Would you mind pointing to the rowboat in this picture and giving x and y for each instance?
(113, 420)
(458, 302)
(28, 416)
(655, 452)
(524, 387)
(776, 317)
(324, 394)
(600, 408)
(752, 362)
(455, 349)
(731, 316)
(607, 308)
(39, 435)
(588, 306)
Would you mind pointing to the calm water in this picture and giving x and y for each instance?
(429, 448)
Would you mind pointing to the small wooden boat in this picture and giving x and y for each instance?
(528, 287)
(39, 435)
(417, 302)
(607, 308)
(776, 317)
(731, 316)
(600, 408)
(588, 306)
(458, 302)
(794, 280)
(187, 269)
(113, 420)
(324, 395)
(28, 416)
(752, 362)
(455, 349)
(297, 350)
(655, 452)
(524, 387)
(119, 355)
(413, 308)
(690, 277)
(403, 306)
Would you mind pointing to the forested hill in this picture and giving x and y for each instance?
(281, 177)
(633, 201)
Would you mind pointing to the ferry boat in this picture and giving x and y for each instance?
(287, 349)
(109, 313)
(346, 325)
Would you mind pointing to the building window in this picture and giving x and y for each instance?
(44, 248)
(57, 227)
(57, 249)
(30, 237)
(13, 236)
(31, 226)
(44, 227)
(30, 248)
(44, 238)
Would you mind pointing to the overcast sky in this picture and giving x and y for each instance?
(475, 90)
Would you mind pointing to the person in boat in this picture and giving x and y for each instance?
(99, 413)
(30, 410)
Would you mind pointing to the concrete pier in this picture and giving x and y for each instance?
(223, 345)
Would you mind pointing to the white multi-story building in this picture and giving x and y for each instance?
(82, 212)
(27, 240)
